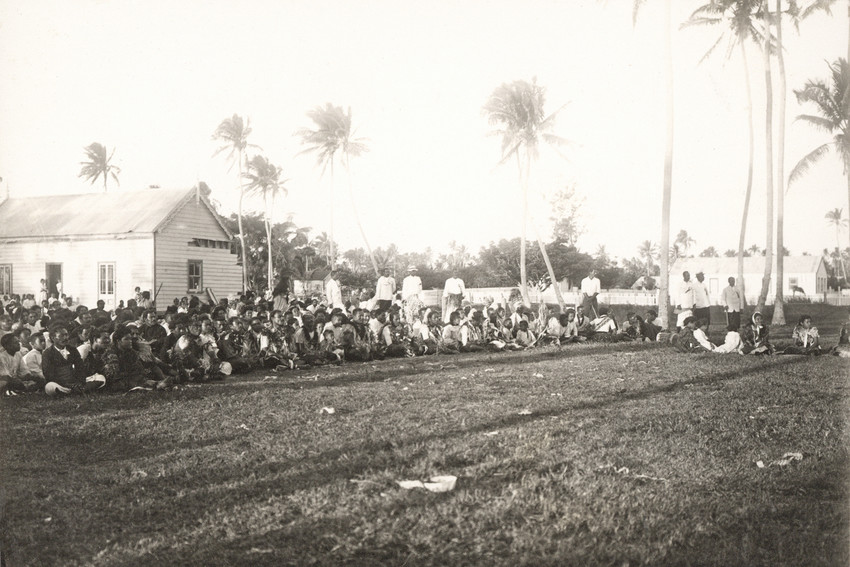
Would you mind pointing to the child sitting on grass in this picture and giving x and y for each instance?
(756, 336)
(806, 338)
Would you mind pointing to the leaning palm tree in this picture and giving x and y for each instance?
(264, 179)
(98, 165)
(333, 134)
(234, 133)
(832, 104)
(517, 108)
(739, 21)
(664, 283)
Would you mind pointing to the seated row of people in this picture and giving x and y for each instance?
(754, 338)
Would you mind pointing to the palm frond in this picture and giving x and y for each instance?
(806, 163)
(818, 122)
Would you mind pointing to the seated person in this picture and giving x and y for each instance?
(524, 336)
(842, 349)
(583, 323)
(14, 376)
(732, 343)
(756, 336)
(806, 338)
(62, 365)
(123, 367)
(32, 359)
(684, 340)
(700, 327)
(451, 339)
(393, 339)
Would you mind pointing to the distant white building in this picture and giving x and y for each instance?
(805, 272)
(103, 245)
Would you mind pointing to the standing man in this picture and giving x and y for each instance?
(411, 294)
(333, 292)
(733, 303)
(453, 294)
(702, 303)
(685, 301)
(384, 290)
(590, 288)
(42, 294)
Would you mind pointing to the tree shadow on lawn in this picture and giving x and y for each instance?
(269, 479)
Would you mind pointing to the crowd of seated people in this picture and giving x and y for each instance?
(60, 348)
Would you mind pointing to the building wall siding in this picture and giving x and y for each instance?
(133, 258)
(221, 273)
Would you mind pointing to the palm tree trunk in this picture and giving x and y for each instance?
(357, 218)
(559, 298)
(778, 305)
(270, 268)
(523, 276)
(768, 174)
(332, 257)
(749, 190)
(241, 232)
(664, 284)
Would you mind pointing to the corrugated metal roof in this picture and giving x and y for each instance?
(120, 212)
(752, 265)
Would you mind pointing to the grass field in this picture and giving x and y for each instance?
(630, 455)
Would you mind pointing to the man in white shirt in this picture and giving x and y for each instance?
(590, 288)
(732, 302)
(702, 303)
(411, 294)
(333, 292)
(384, 290)
(685, 300)
(453, 294)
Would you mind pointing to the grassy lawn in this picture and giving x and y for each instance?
(631, 454)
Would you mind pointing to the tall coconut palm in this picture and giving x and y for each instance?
(739, 21)
(98, 165)
(517, 108)
(664, 283)
(264, 180)
(835, 217)
(234, 132)
(832, 104)
(768, 154)
(333, 134)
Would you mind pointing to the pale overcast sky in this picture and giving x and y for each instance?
(154, 78)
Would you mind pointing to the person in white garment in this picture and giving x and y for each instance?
(685, 300)
(411, 294)
(590, 288)
(453, 293)
(333, 292)
(384, 290)
(702, 302)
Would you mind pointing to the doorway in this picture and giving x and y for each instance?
(53, 275)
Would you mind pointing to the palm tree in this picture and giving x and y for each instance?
(648, 251)
(664, 284)
(738, 17)
(517, 108)
(234, 133)
(333, 133)
(832, 104)
(98, 165)
(264, 179)
(835, 217)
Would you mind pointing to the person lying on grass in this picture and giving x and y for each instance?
(756, 336)
(806, 338)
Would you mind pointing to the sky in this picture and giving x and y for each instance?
(153, 79)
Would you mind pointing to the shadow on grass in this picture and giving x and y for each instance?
(237, 485)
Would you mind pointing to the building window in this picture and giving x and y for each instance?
(196, 275)
(106, 279)
(5, 279)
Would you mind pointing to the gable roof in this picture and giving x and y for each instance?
(752, 265)
(92, 214)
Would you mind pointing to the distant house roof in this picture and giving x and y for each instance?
(752, 265)
(92, 214)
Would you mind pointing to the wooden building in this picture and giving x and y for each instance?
(104, 245)
(801, 272)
